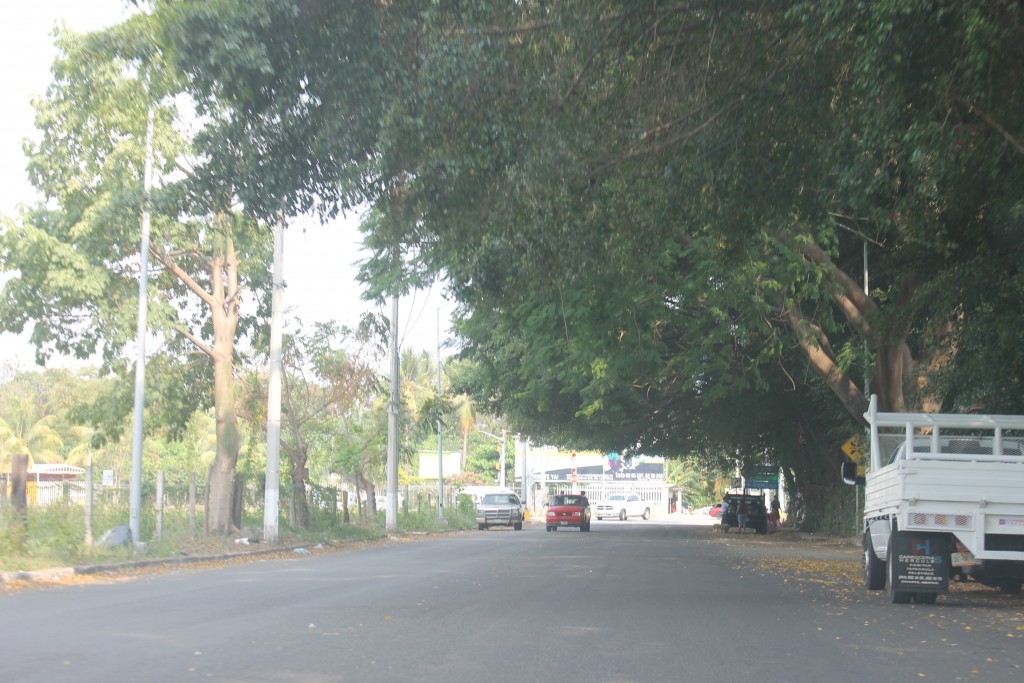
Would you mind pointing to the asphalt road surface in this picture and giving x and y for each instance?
(628, 602)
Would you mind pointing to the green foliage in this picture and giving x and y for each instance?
(56, 531)
(74, 258)
(54, 536)
(426, 519)
(466, 506)
(653, 221)
(24, 431)
(697, 483)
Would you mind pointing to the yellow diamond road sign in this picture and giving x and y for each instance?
(854, 448)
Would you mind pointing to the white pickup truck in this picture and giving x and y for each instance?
(944, 499)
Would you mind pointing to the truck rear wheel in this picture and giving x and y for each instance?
(895, 597)
(874, 568)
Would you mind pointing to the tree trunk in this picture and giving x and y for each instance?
(224, 306)
(893, 361)
(222, 473)
(19, 500)
(891, 368)
(300, 507)
(237, 501)
(814, 469)
(298, 455)
(371, 499)
(19, 480)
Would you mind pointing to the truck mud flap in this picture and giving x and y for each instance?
(919, 562)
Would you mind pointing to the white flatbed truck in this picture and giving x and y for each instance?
(944, 500)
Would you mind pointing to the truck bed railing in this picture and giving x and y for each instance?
(939, 436)
(965, 457)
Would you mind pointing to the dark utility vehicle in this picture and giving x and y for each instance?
(757, 512)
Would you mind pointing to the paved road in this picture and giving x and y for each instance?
(628, 602)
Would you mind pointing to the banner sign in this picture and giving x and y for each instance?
(644, 471)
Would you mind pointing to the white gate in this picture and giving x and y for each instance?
(656, 494)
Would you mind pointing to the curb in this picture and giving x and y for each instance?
(56, 573)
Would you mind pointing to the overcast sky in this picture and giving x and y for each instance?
(319, 259)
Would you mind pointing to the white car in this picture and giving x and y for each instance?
(623, 506)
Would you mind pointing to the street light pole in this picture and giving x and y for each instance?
(135, 485)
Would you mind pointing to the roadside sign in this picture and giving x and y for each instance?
(855, 449)
(764, 478)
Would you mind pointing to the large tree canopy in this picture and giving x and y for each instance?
(652, 210)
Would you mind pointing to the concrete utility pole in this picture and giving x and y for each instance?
(135, 486)
(391, 511)
(501, 461)
(526, 474)
(88, 501)
(271, 494)
(440, 451)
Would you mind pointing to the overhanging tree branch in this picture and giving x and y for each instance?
(815, 345)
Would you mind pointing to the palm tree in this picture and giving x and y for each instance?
(80, 454)
(467, 417)
(201, 441)
(417, 380)
(23, 431)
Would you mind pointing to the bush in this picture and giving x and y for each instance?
(54, 535)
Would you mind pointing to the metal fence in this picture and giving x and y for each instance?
(655, 494)
(325, 503)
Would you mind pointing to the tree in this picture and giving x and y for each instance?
(80, 454)
(330, 380)
(653, 214)
(756, 258)
(74, 255)
(466, 417)
(23, 431)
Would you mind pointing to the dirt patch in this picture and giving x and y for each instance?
(788, 544)
(837, 564)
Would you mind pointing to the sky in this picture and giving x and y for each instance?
(319, 260)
